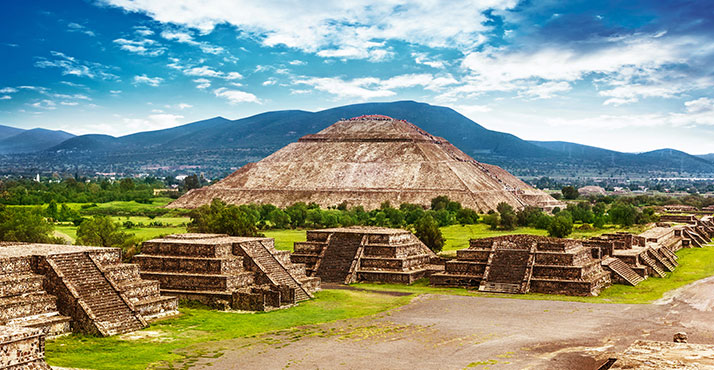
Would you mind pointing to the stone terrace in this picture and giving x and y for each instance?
(22, 349)
(55, 287)
(226, 272)
(526, 263)
(347, 255)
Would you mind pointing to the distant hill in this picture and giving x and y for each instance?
(218, 146)
(671, 159)
(709, 157)
(7, 131)
(29, 141)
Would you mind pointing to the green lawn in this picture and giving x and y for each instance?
(171, 340)
(694, 264)
(284, 239)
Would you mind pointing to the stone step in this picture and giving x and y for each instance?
(624, 271)
(51, 324)
(188, 281)
(198, 265)
(13, 285)
(661, 259)
(121, 272)
(154, 308)
(26, 305)
(653, 265)
(135, 289)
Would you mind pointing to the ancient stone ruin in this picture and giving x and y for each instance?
(22, 349)
(55, 288)
(351, 254)
(365, 161)
(526, 263)
(226, 272)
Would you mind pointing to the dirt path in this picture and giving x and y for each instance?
(455, 332)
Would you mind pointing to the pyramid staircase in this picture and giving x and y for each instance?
(652, 264)
(662, 261)
(106, 309)
(337, 262)
(508, 271)
(622, 270)
(263, 254)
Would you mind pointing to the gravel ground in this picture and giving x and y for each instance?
(454, 332)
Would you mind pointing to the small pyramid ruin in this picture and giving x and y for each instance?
(365, 161)
(350, 254)
(226, 272)
(58, 288)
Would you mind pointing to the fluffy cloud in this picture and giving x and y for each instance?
(205, 71)
(202, 83)
(144, 79)
(76, 27)
(8, 90)
(236, 96)
(372, 87)
(145, 47)
(341, 29)
(75, 67)
(187, 38)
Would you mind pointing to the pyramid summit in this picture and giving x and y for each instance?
(367, 160)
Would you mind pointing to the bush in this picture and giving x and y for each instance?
(428, 232)
(570, 192)
(560, 227)
(102, 231)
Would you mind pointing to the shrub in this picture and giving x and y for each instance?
(427, 230)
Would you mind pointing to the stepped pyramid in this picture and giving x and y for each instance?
(365, 161)
(225, 272)
(53, 288)
(360, 253)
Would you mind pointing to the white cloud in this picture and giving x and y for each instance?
(5, 97)
(69, 103)
(203, 83)
(269, 82)
(297, 62)
(75, 67)
(236, 96)
(546, 90)
(205, 71)
(423, 58)
(187, 38)
(44, 104)
(342, 29)
(183, 106)
(372, 87)
(146, 47)
(152, 122)
(143, 31)
(76, 27)
(144, 79)
(8, 90)
(700, 105)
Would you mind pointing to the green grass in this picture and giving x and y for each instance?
(197, 325)
(694, 264)
(284, 239)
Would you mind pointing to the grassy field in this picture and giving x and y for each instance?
(284, 239)
(171, 340)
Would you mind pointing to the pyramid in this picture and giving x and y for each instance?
(365, 161)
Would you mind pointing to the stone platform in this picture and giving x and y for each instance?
(63, 288)
(526, 263)
(351, 254)
(225, 272)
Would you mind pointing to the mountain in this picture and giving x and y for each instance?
(709, 157)
(218, 146)
(29, 141)
(7, 131)
(671, 159)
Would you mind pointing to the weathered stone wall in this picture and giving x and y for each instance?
(22, 348)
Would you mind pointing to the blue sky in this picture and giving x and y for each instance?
(624, 75)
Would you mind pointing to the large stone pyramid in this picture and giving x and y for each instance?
(365, 161)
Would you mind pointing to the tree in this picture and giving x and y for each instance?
(52, 212)
(279, 218)
(191, 182)
(127, 184)
(224, 219)
(570, 192)
(102, 231)
(24, 225)
(623, 214)
(507, 216)
(492, 220)
(439, 203)
(560, 226)
(428, 232)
